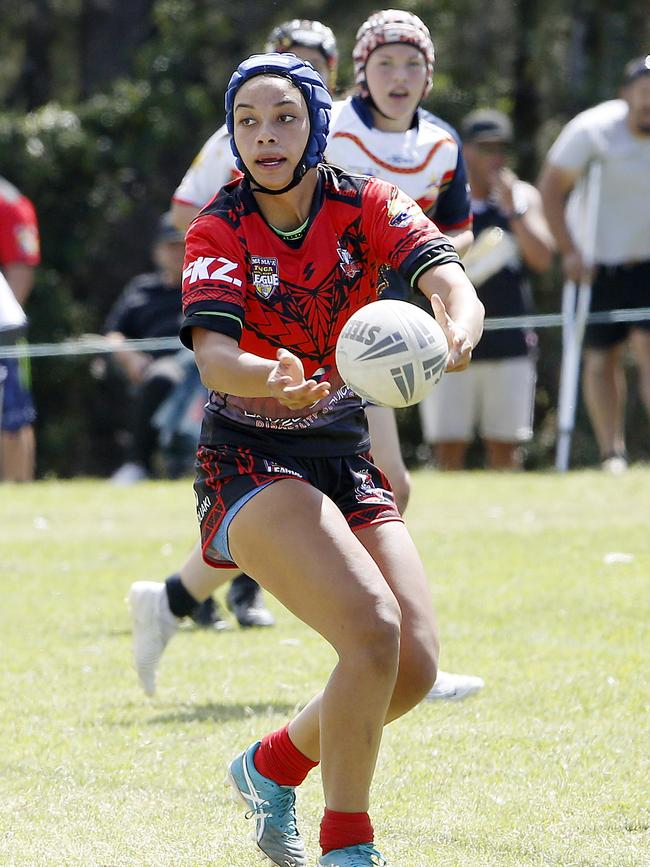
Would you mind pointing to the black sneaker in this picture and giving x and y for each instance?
(246, 602)
(209, 615)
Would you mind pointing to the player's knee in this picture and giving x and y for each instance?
(377, 641)
(598, 362)
(417, 674)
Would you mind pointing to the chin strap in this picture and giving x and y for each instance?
(298, 174)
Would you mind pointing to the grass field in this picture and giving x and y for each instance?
(542, 586)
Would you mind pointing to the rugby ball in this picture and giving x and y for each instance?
(391, 353)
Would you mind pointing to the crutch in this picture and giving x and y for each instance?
(576, 301)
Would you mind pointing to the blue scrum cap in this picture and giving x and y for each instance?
(303, 75)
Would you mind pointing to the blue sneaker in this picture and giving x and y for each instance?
(364, 855)
(274, 809)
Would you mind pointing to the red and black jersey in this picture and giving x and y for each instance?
(243, 280)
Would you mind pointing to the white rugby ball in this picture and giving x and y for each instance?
(391, 353)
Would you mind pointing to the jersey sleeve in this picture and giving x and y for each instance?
(214, 282)
(453, 210)
(400, 234)
(212, 167)
(19, 238)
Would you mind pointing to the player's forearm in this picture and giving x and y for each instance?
(462, 240)
(554, 194)
(459, 296)
(226, 368)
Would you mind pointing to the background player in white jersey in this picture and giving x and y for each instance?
(406, 146)
(382, 131)
(617, 135)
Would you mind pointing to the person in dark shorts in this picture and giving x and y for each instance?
(285, 486)
(615, 135)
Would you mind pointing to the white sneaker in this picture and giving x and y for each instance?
(129, 474)
(453, 687)
(615, 465)
(153, 626)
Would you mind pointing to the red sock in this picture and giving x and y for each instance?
(338, 830)
(281, 761)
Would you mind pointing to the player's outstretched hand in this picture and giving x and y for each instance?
(288, 385)
(460, 347)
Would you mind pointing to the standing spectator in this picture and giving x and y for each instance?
(497, 392)
(615, 134)
(149, 306)
(19, 256)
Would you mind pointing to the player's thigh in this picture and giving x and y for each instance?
(448, 414)
(391, 547)
(508, 400)
(294, 540)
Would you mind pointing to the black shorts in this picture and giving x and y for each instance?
(228, 476)
(619, 287)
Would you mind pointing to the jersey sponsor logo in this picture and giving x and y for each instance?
(201, 269)
(348, 264)
(264, 273)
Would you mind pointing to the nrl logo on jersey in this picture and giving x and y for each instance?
(264, 274)
(401, 210)
(348, 265)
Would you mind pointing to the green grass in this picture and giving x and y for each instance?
(549, 765)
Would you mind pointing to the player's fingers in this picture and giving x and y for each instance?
(440, 313)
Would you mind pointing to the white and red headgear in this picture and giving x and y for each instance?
(385, 28)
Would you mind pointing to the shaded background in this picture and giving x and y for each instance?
(103, 104)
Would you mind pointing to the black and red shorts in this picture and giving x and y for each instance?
(228, 476)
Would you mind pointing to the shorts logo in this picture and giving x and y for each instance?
(202, 508)
(264, 273)
(273, 467)
(200, 270)
(348, 265)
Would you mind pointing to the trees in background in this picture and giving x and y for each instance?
(105, 103)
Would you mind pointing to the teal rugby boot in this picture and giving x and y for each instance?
(274, 809)
(364, 855)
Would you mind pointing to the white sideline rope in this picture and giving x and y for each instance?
(98, 345)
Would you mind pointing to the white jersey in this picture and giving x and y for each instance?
(425, 161)
(213, 167)
(602, 134)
